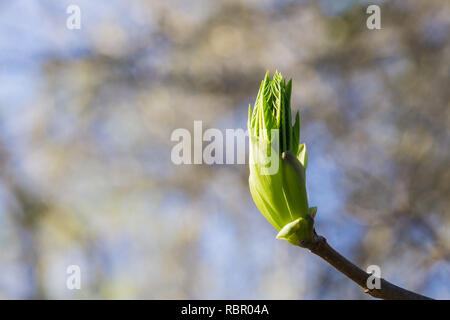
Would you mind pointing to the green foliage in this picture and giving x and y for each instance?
(281, 195)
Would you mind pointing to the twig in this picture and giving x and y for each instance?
(387, 291)
(320, 247)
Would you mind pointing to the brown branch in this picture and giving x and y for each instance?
(320, 247)
(387, 291)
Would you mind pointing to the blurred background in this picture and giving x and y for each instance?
(85, 123)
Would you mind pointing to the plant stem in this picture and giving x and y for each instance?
(387, 291)
(320, 247)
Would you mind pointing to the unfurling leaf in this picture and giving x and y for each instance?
(278, 185)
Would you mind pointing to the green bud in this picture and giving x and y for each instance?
(278, 162)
